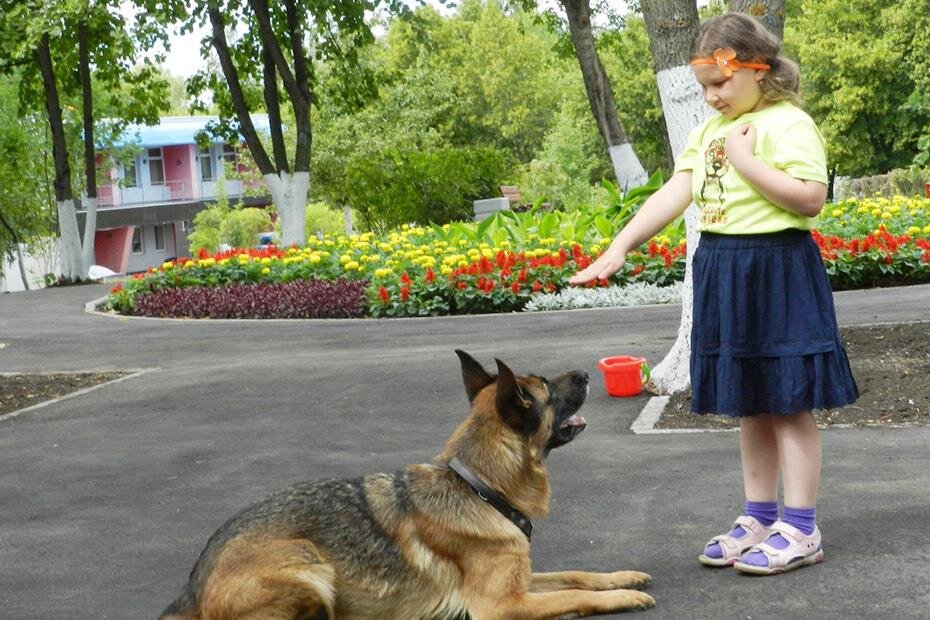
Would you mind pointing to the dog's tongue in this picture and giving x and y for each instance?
(575, 420)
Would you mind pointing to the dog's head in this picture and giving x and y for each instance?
(540, 410)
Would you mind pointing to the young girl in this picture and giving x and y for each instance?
(764, 342)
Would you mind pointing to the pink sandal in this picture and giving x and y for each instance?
(802, 550)
(733, 547)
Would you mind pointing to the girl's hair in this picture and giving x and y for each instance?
(751, 42)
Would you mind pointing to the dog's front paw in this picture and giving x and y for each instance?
(627, 579)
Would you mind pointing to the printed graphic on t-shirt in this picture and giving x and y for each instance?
(712, 193)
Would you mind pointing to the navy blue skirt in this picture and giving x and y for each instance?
(764, 336)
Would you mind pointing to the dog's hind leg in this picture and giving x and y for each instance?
(580, 580)
(269, 580)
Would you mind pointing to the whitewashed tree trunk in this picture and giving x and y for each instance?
(671, 26)
(70, 248)
(22, 267)
(90, 229)
(684, 108)
(347, 219)
(289, 194)
(627, 168)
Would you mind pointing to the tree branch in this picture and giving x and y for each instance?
(235, 90)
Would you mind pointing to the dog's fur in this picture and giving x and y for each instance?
(419, 543)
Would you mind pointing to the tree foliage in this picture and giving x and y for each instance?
(858, 87)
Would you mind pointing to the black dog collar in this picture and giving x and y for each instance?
(492, 497)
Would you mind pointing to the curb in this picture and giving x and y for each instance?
(133, 373)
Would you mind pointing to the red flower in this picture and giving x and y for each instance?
(537, 286)
(430, 276)
(202, 253)
(384, 295)
(462, 285)
(405, 293)
(117, 288)
(405, 279)
(515, 287)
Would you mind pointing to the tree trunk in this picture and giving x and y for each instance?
(627, 167)
(89, 199)
(19, 251)
(770, 12)
(671, 26)
(288, 191)
(67, 218)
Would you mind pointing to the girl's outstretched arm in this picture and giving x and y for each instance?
(662, 207)
(798, 195)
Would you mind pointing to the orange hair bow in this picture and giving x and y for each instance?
(726, 60)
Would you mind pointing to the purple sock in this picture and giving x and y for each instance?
(764, 512)
(802, 518)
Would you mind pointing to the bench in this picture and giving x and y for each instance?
(510, 200)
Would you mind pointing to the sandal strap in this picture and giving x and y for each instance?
(799, 544)
(731, 546)
(750, 524)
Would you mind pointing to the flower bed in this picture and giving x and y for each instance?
(495, 266)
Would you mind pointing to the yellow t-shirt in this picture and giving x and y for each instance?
(786, 139)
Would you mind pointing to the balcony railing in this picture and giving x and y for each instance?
(167, 192)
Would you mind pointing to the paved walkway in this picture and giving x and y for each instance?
(107, 498)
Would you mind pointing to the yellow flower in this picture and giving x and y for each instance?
(351, 265)
(927, 229)
(913, 230)
(862, 209)
(243, 257)
(266, 261)
(266, 271)
(344, 259)
(314, 259)
(243, 261)
(876, 212)
(886, 216)
(383, 272)
(837, 212)
(167, 265)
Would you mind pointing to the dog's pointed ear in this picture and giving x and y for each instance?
(512, 403)
(475, 376)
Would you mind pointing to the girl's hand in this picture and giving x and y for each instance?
(605, 266)
(740, 144)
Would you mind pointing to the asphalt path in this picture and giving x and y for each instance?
(107, 498)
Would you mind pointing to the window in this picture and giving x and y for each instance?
(129, 174)
(137, 246)
(156, 167)
(160, 238)
(229, 154)
(206, 164)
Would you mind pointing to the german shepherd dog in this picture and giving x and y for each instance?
(443, 540)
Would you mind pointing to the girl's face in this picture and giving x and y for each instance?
(731, 96)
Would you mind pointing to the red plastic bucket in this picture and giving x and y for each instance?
(624, 375)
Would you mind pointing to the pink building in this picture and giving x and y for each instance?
(144, 212)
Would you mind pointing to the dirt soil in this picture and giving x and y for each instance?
(21, 391)
(891, 365)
